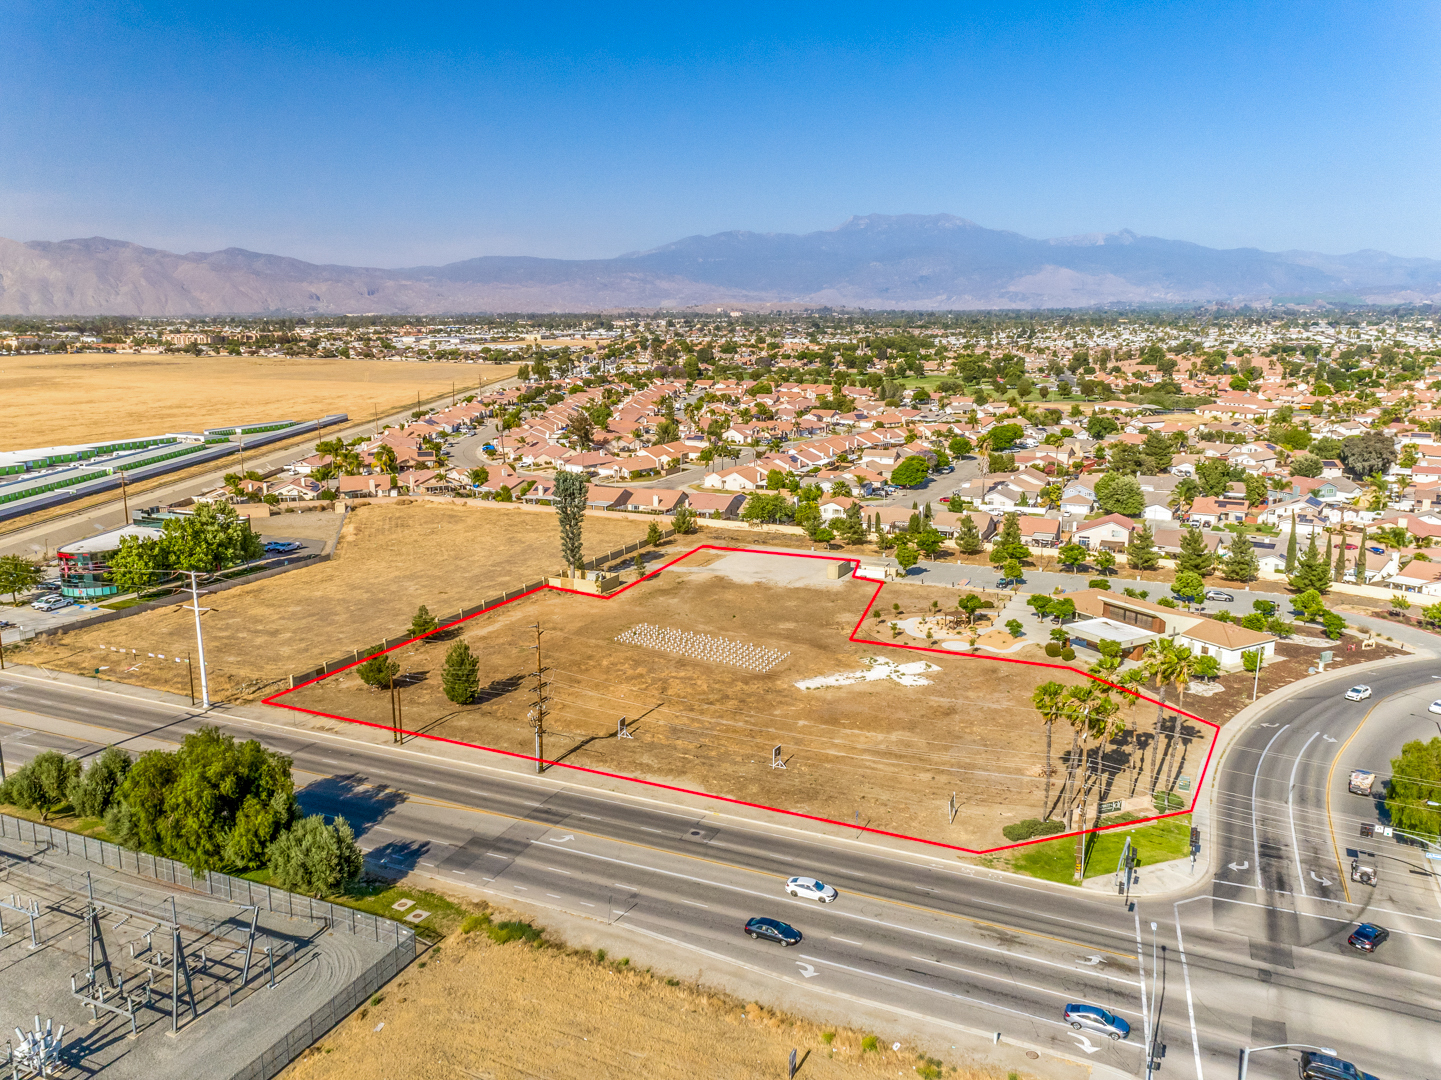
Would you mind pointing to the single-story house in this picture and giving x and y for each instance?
(1110, 533)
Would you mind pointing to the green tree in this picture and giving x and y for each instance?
(212, 803)
(968, 537)
(138, 564)
(93, 791)
(1047, 700)
(652, 534)
(911, 471)
(1008, 545)
(19, 574)
(1360, 568)
(1003, 436)
(570, 498)
(1105, 561)
(42, 784)
(1291, 547)
(906, 556)
(378, 670)
(1072, 555)
(684, 520)
(1373, 452)
(1011, 571)
(1208, 667)
(1413, 799)
(315, 858)
(1195, 557)
(1338, 572)
(1311, 573)
(1308, 465)
(1188, 587)
(1240, 563)
(1141, 551)
(422, 622)
(1256, 490)
(460, 675)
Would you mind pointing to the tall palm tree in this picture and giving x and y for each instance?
(1160, 662)
(1185, 494)
(1047, 699)
(1380, 491)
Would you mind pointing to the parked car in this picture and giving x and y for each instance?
(1359, 692)
(52, 603)
(773, 930)
(282, 546)
(1317, 1066)
(808, 888)
(1219, 596)
(1434, 707)
(1368, 937)
(1094, 1018)
(49, 586)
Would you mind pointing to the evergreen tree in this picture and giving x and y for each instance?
(1141, 549)
(570, 492)
(1291, 547)
(1311, 573)
(1327, 563)
(1240, 562)
(1338, 572)
(460, 676)
(1009, 546)
(968, 537)
(1195, 557)
(1361, 559)
(423, 622)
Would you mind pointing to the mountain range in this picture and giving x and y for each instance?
(911, 262)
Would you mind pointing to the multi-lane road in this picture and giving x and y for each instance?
(1255, 957)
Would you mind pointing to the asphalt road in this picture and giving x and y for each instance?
(954, 943)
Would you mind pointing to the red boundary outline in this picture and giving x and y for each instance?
(274, 700)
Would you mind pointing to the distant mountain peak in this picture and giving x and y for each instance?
(876, 261)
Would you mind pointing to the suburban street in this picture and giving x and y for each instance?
(943, 945)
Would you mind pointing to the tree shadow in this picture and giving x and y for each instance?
(397, 856)
(350, 797)
(498, 688)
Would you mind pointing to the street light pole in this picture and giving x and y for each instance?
(1247, 1051)
(199, 638)
(1151, 1010)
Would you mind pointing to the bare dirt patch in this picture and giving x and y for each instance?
(146, 395)
(880, 752)
(516, 1011)
(391, 558)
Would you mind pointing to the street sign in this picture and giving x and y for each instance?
(1433, 855)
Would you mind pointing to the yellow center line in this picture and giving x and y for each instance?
(1330, 776)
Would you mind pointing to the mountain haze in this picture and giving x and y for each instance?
(935, 262)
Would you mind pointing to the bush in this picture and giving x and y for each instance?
(423, 622)
(43, 784)
(460, 675)
(1031, 828)
(1165, 601)
(683, 521)
(828, 1037)
(1053, 649)
(92, 792)
(1100, 583)
(315, 858)
(870, 1042)
(1068, 654)
(471, 923)
(1167, 801)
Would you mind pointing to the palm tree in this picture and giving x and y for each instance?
(1160, 662)
(1047, 699)
(1185, 494)
(1380, 491)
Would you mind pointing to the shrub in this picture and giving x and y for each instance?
(1031, 828)
(512, 930)
(315, 858)
(870, 1042)
(1068, 654)
(683, 521)
(423, 622)
(472, 923)
(378, 670)
(828, 1037)
(1165, 601)
(1100, 583)
(460, 676)
(92, 792)
(1053, 649)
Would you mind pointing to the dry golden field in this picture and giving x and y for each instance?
(103, 396)
(480, 1011)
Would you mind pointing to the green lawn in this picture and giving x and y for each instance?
(1055, 860)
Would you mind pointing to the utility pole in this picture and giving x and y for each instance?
(537, 711)
(124, 500)
(1256, 685)
(190, 670)
(199, 638)
(397, 715)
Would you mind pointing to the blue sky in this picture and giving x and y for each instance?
(403, 134)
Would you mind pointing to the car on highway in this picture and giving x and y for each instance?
(1368, 937)
(1435, 706)
(1359, 692)
(1094, 1018)
(808, 888)
(773, 930)
(1219, 596)
(1318, 1066)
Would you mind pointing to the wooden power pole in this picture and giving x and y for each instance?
(537, 711)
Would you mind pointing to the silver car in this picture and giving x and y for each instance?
(1094, 1018)
(808, 888)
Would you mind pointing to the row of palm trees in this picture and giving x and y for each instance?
(1093, 715)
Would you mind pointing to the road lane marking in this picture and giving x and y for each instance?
(1190, 1003)
(1008, 979)
(567, 873)
(847, 940)
(695, 903)
(1291, 811)
(1255, 831)
(1140, 961)
(831, 910)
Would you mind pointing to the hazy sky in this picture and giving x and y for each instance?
(401, 134)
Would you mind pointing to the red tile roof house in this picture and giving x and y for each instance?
(426, 482)
(651, 501)
(707, 504)
(294, 489)
(1208, 512)
(360, 487)
(741, 478)
(1109, 533)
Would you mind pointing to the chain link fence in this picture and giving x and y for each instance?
(233, 890)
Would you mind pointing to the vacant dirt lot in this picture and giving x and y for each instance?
(885, 752)
(481, 1011)
(145, 395)
(392, 557)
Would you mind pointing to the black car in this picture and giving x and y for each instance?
(1315, 1066)
(1367, 937)
(773, 930)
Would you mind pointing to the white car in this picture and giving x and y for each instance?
(1435, 707)
(1358, 693)
(808, 888)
